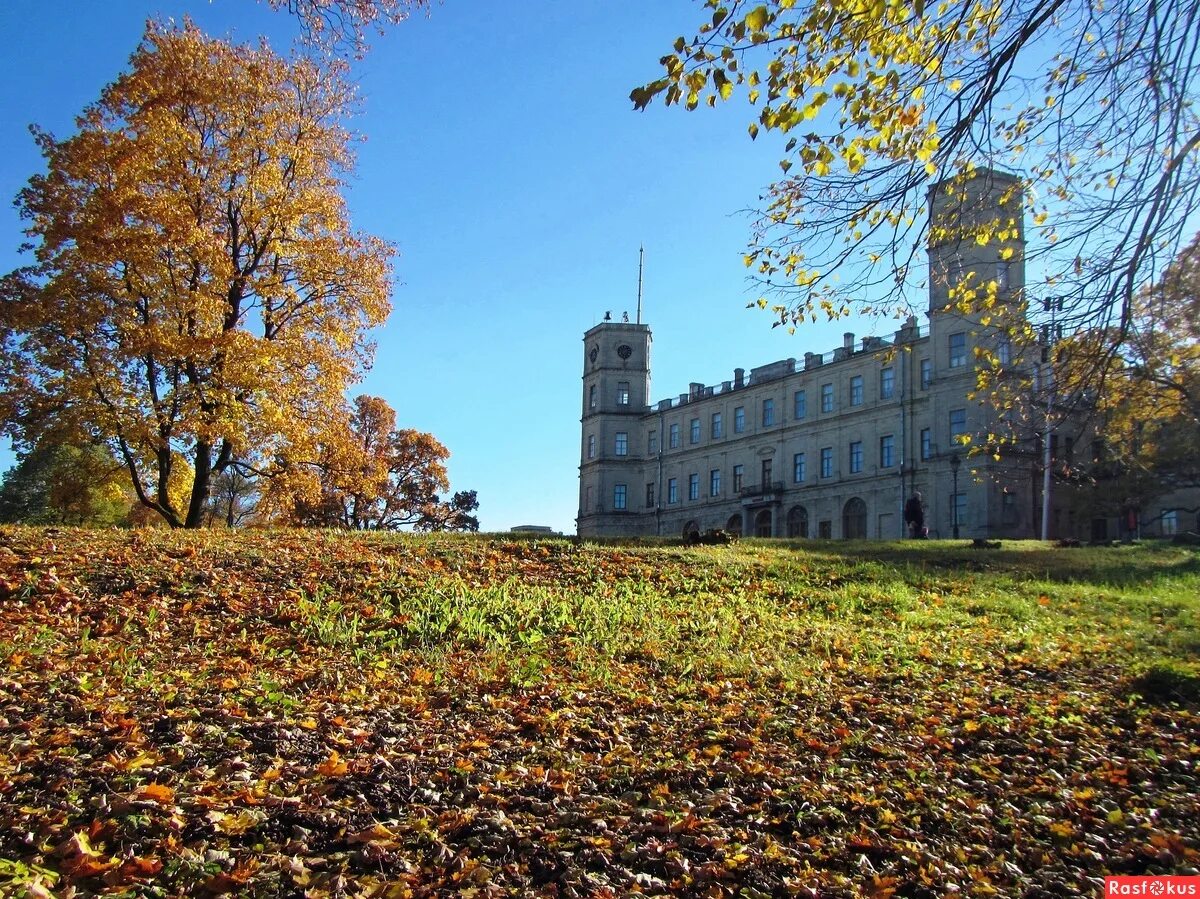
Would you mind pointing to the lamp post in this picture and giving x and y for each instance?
(954, 463)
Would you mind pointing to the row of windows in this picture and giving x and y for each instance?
(887, 445)
(887, 390)
(958, 502)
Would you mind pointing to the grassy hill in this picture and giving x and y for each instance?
(315, 714)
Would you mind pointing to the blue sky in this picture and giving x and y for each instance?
(504, 161)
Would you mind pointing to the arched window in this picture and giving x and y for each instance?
(854, 519)
(797, 522)
(762, 523)
(734, 524)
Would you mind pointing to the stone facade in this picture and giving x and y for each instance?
(831, 445)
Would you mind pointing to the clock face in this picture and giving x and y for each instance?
(624, 351)
(593, 353)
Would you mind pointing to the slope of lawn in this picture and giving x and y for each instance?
(314, 714)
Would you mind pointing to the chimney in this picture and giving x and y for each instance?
(739, 378)
(848, 341)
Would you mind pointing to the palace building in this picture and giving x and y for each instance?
(828, 446)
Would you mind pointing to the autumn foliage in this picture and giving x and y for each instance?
(378, 477)
(198, 296)
(379, 715)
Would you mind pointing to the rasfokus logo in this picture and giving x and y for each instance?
(1152, 886)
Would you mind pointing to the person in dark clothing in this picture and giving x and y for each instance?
(914, 517)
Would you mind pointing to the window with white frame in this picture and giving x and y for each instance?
(926, 443)
(856, 390)
(856, 457)
(621, 444)
(887, 451)
(800, 405)
(622, 393)
(674, 436)
(926, 373)
(714, 482)
(652, 442)
(694, 486)
(798, 468)
(695, 430)
(591, 446)
(827, 462)
(718, 429)
(739, 419)
(592, 397)
(826, 397)
(768, 409)
(672, 491)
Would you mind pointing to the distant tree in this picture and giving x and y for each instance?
(1148, 411)
(233, 497)
(62, 484)
(453, 515)
(1095, 104)
(198, 293)
(381, 478)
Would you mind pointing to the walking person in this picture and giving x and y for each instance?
(914, 517)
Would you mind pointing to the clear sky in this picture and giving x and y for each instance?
(504, 161)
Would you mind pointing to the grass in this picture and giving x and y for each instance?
(792, 700)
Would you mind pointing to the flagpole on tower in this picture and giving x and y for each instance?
(641, 254)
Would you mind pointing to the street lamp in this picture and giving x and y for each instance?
(954, 463)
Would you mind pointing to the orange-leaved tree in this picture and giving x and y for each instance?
(381, 478)
(198, 293)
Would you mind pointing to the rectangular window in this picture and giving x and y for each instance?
(887, 451)
(766, 473)
(768, 417)
(718, 429)
(695, 430)
(958, 424)
(693, 486)
(1002, 275)
(926, 373)
(591, 446)
(592, 397)
(798, 468)
(739, 419)
(926, 443)
(652, 442)
(958, 349)
(650, 495)
(672, 491)
(622, 444)
(622, 393)
(887, 383)
(826, 397)
(827, 462)
(801, 405)
(1004, 351)
(714, 482)
(856, 458)
(739, 477)
(674, 438)
(619, 497)
(958, 509)
(587, 500)
(856, 390)
(1170, 522)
